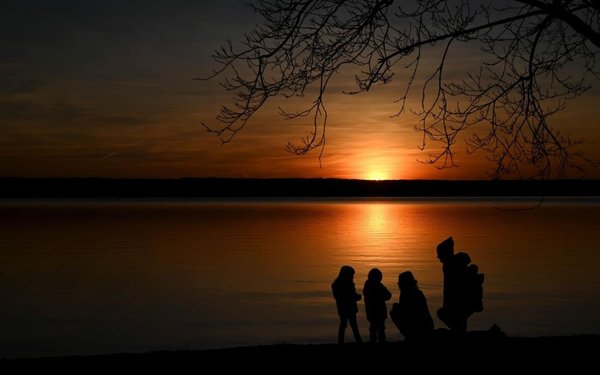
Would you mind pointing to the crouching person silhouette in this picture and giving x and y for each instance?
(345, 296)
(375, 296)
(411, 314)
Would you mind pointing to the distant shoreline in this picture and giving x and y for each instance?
(33, 188)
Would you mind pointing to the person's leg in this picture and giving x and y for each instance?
(381, 331)
(461, 324)
(342, 329)
(458, 321)
(444, 317)
(354, 326)
(372, 332)
(454, 319)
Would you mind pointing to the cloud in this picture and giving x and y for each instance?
(57, 113)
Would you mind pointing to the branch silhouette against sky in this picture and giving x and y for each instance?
(524, 60)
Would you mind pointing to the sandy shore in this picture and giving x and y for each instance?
(472, 354)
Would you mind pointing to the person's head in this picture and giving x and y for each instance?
(375, 275)
(445, 250)
(462, 259)
(346, 273)
(406, 280)
(473, 268)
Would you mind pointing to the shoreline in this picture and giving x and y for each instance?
(445, 352)
(40, 188)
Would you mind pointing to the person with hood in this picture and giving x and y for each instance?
(346, 297)
(463, 287)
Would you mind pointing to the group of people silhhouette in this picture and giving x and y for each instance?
(463, 295)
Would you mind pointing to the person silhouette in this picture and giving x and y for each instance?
(346, 297)
(475, 285)
(411, 314)
(375, 296)
(463, 291)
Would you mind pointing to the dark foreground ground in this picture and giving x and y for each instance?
(574, 354)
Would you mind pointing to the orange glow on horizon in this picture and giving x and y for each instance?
(378, 168)
(377, 175)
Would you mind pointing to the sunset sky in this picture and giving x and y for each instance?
(104, 88)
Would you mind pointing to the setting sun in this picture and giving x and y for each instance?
(377, 175)
(378, 168)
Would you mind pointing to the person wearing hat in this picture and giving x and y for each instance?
(411, 313)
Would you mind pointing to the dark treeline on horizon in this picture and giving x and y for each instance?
(232, 188)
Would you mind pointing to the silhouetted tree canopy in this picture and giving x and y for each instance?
(535, 55)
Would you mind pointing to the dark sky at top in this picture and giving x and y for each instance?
(104, 88)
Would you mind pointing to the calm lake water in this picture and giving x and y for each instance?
(80, 277)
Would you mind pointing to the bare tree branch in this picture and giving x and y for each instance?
(535, 56)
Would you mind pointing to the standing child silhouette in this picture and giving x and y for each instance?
(345, 296)
(375, 296)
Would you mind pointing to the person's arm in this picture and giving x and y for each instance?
(357, 296)
(386, 294)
